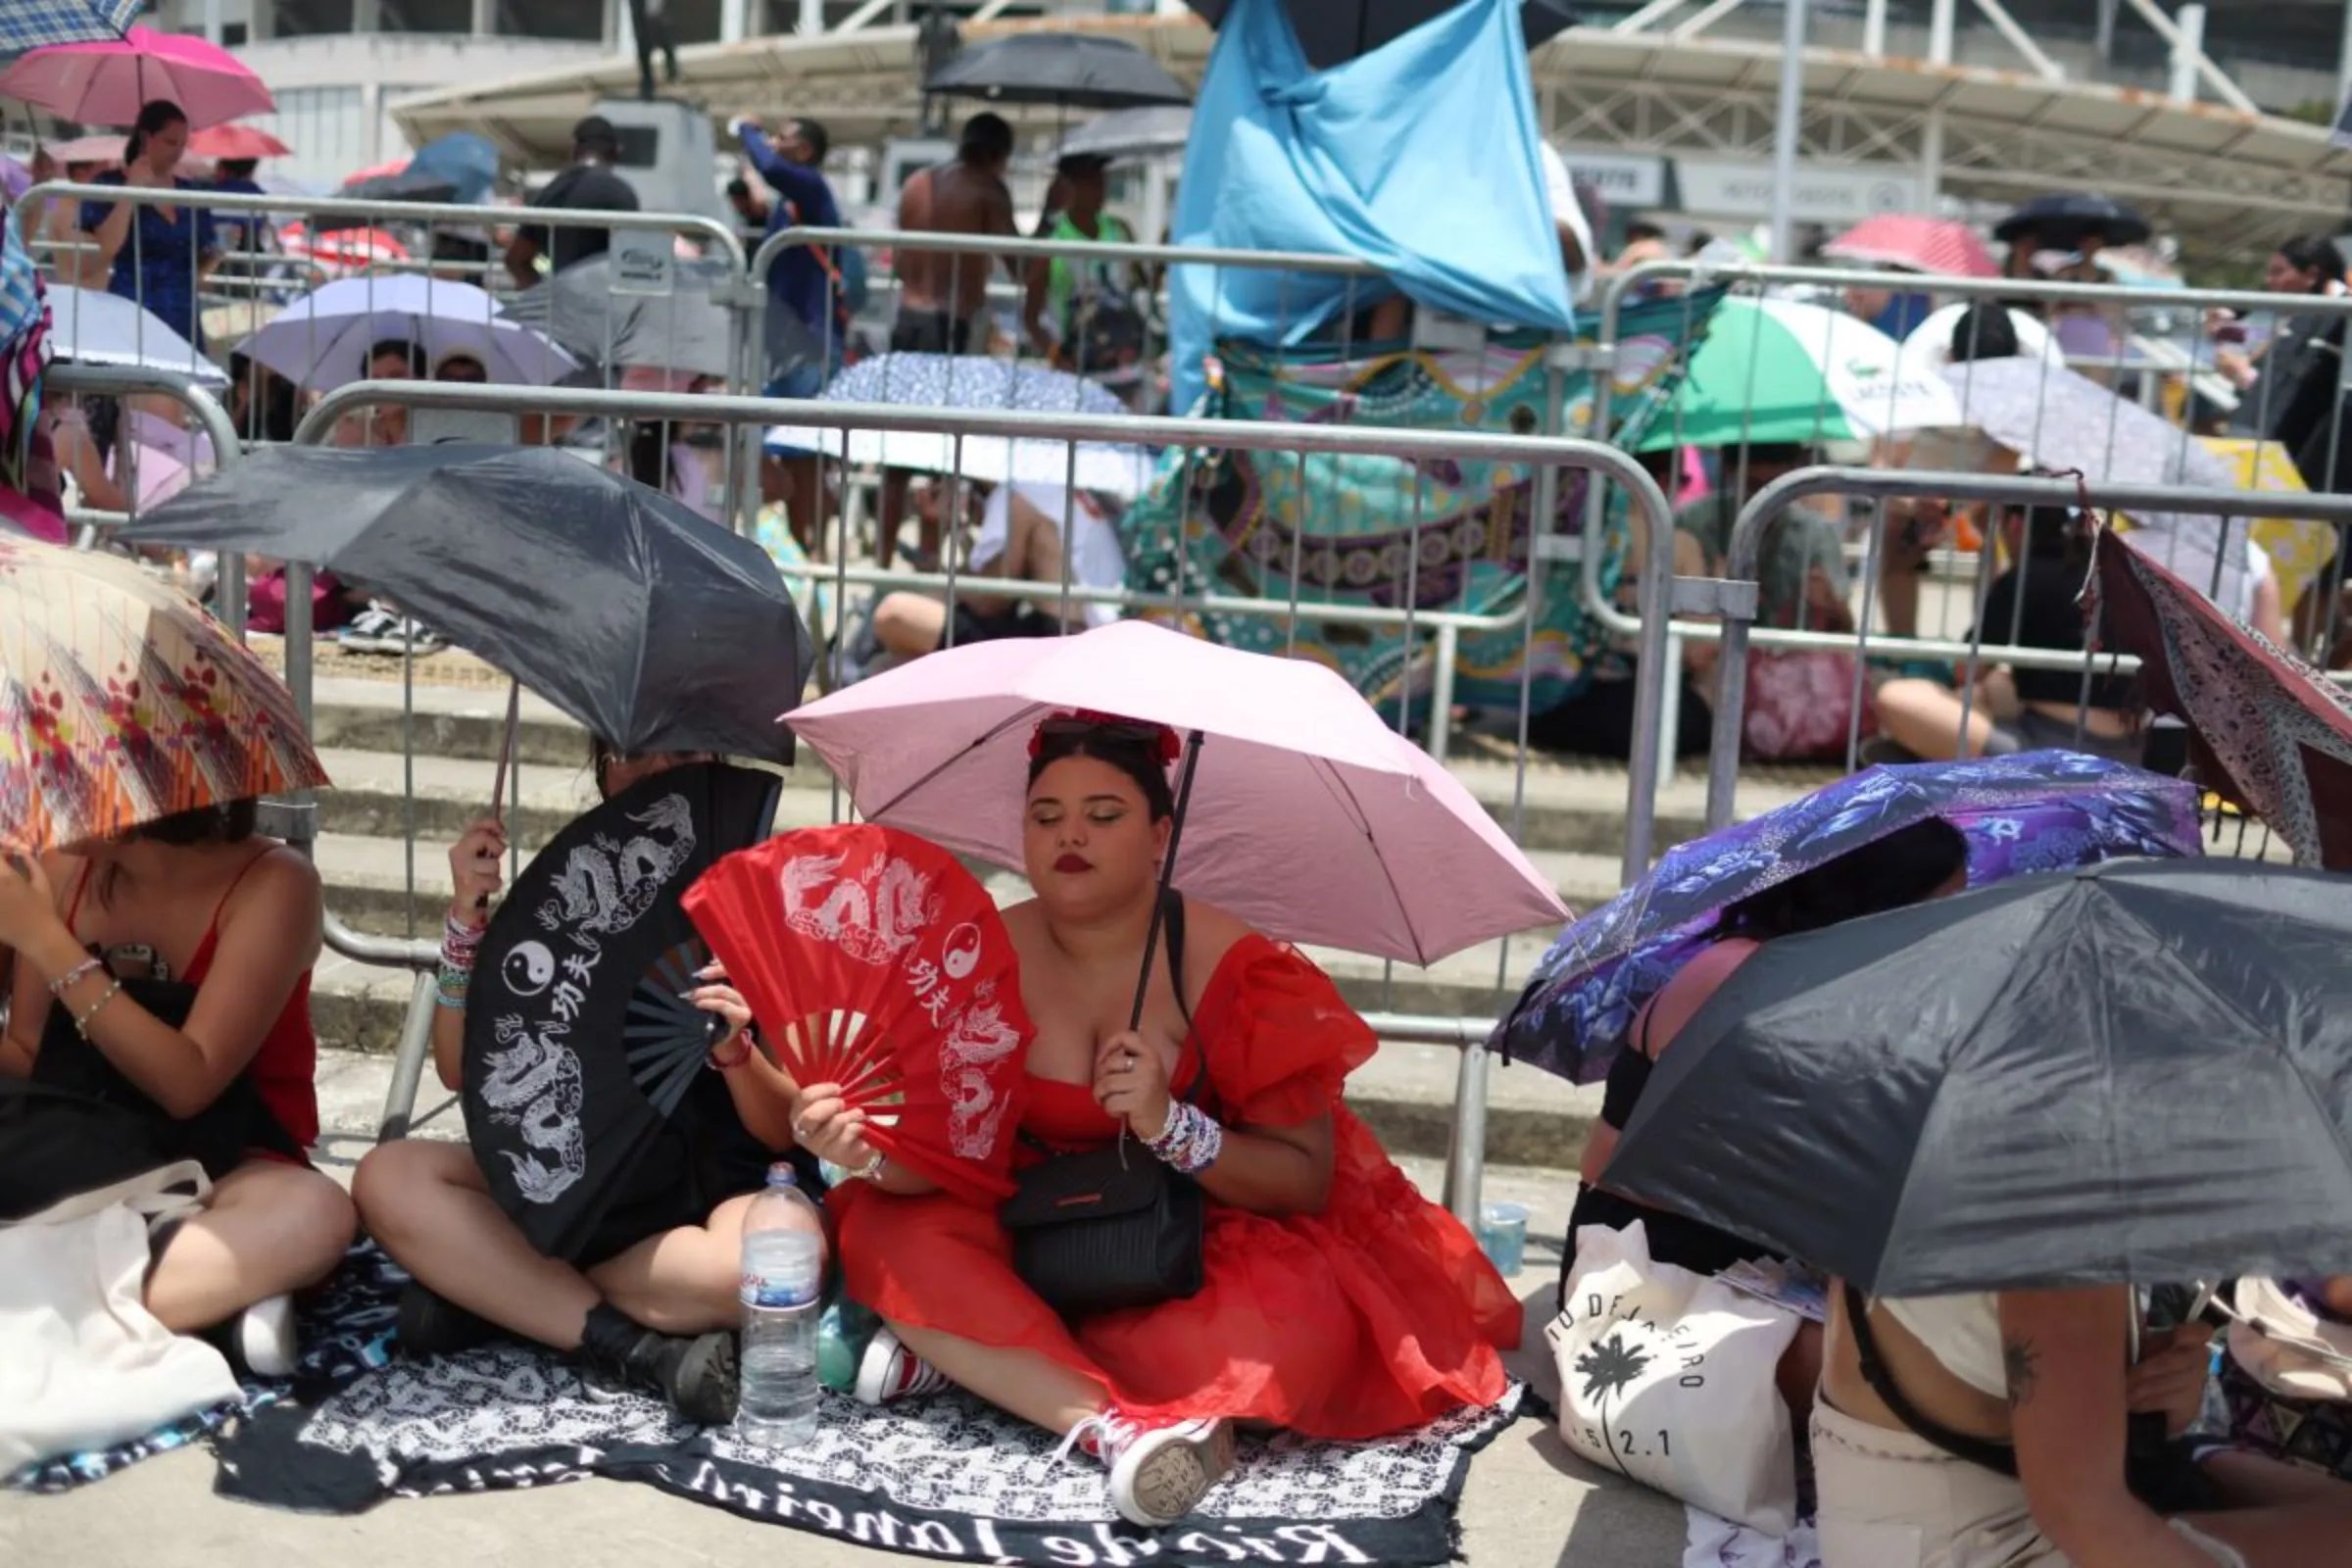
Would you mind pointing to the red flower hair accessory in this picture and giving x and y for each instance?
(1158, 738)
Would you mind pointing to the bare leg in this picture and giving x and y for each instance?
(1924, 717)
(910, 625)
(1899, 589)
(429, 1208)
(1800, 1373)
(892, 511)
(1033, 1386)
(2291, 1518)
(687, 1280)
(804, 504)
(267, 1228)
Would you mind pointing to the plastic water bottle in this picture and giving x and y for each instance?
(783, 1279)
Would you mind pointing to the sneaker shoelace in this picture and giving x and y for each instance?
(1102, 1434)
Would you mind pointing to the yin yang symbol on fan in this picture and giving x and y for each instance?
(873, 962)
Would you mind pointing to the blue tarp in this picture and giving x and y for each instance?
(1418, 157)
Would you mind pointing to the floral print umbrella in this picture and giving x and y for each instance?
(122, 701)
(2021, 814)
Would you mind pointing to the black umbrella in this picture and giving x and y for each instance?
(1332, 33)
(2138, 1071)
(2065, 221)
(408, 186)
(648, 623)
(580, 1046)
(1076, 70)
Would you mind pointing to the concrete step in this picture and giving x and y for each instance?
(1405, 1093)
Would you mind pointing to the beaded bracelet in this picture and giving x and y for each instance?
(1190, 1141)
(458, 943)
(66, 982)
(449, 986)
(82, 1025)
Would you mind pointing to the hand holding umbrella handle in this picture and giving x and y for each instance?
(1168, 878)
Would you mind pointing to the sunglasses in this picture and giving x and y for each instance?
(1155, 739)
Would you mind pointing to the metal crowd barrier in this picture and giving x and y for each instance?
(1465, 1169)
(1737, 593)
(644, 266)
(1751, 281)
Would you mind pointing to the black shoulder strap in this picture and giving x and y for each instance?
(1998, 1457)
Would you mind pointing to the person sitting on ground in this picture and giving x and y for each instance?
(1337, 1302)
(1926, 860)
(170, 968)
(2031, 604)
(1020, 540)
(651, 1301)
(2030, 1397)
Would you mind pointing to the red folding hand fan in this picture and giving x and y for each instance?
(874, 960)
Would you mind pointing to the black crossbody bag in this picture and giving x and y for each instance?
(2159, 1470)
(1112, 1227)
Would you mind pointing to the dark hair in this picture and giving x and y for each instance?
(986, 137)
(1779, 453)
(1120, 746)
(2055, 534)
(595, 135)
(236, 168)
(1639, 229)
(818, 141)
(231, 822)
(2315, 253)
(271, 408)
(738, 188)
(1983, 331)
(1889, 873)
(157, 116)
(418, 366)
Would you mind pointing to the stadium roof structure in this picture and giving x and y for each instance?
(2228, 179)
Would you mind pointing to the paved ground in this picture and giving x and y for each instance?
(1527, 1502)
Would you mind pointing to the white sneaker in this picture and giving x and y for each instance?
(889, 1371)
(266, 1338)
(1158, 1471)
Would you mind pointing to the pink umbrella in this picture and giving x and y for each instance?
(108, 84)
(1936, 245)
(236, 143)
(1309, 817)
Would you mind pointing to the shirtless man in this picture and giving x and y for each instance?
(943, 296)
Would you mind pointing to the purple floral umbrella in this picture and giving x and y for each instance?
(2032, 812)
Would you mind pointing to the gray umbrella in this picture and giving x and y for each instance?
(654, 627)
(683, 331)
(1131, 134)
(1332, 33)
(1076, 70)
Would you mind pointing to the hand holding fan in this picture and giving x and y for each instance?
(874, 960)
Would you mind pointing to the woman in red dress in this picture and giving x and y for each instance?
(1338, 1303)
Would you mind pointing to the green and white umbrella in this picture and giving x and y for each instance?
(1777, 371)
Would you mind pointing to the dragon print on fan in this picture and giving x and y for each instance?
(874, 917)
(534, 1085)
(894, 980)
(583, 1054)
(607, 886)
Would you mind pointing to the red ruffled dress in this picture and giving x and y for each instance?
(1372, 1317)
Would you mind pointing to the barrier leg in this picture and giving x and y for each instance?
(1466, 1160)
(407, 1065)
(1670, 718)
(1441, 716)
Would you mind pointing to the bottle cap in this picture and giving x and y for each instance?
(781, 1174)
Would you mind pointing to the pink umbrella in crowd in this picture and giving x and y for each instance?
(1936, 245)
(1307, 816)
(108, 84)
(236, 144)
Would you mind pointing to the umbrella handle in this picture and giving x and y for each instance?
(506, 757)
(1167, 877)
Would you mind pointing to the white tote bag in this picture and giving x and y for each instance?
(1666, 1377)
(82, 1364)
